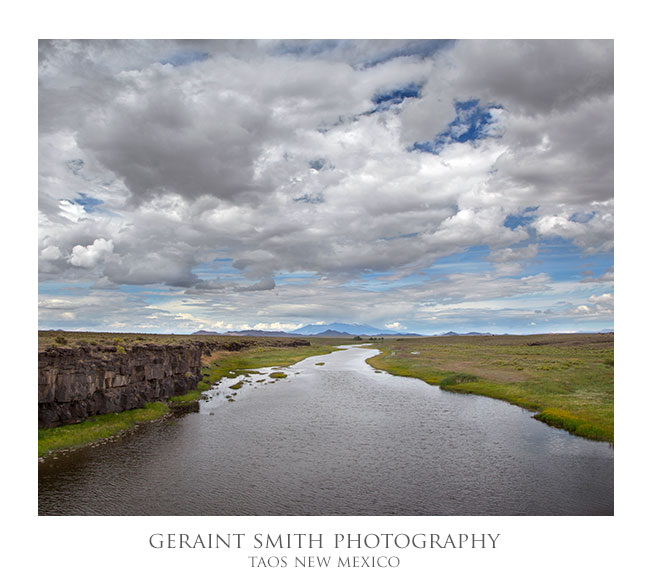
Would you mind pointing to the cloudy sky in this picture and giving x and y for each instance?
(412, 185)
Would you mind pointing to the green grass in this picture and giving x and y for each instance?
(278, 375)
(456, 379)
(98, 340)
(190, 396)
(566, 420)
(96, 428)
(225, 364)
(219, 364)
(567, 379)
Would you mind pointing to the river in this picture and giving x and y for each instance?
(336, 439)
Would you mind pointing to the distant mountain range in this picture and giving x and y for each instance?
(344, 330)
(248, 332)
(326, 330)
(469, 333)
(348, 328)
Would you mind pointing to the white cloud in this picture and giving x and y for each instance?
(510, 261)
(275, 161)
(603, 303)
(51, 253)
(607, 276)
(277, 326)
(71, 211)
(89, 256)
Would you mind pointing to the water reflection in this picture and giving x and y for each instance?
(336, 439)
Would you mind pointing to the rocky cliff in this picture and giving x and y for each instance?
(77, 382)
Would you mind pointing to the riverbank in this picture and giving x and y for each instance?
(220, 363)
(97, 429)
(320, 441)
(568, 380)
(223, 364)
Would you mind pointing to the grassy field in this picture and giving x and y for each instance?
(72, 338)
(220, 363)
(231, 364)
(567, 379)
(128, 340)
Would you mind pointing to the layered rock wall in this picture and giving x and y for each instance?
(75, 383)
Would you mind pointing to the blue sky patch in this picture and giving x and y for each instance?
(584, 217)
(310, 198)
(401, 236)
(473, 260)
(397, 95)
(472, 122)
(64, 289)
(219, 266)
(185, 58)
(88, 203)
(308, 48)
(563, 261)
(522, 219)
(419, 48)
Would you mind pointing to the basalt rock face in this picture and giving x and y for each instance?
(77, 382)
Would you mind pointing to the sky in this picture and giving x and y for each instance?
(418, 186)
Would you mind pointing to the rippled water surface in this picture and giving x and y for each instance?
(336, 439)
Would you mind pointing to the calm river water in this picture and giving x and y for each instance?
(336, 439)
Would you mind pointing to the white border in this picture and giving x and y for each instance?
(115, 549)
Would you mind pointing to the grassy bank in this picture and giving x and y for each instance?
(97, 428)
(567, 379)
(221, 363)
(191, 396)
(228, 364)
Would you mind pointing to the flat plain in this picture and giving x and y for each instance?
(567, 379)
